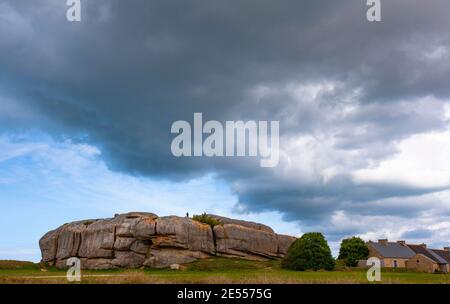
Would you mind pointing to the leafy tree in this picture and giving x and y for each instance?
(310, 252)
(352, 250)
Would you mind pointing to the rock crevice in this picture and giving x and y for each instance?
(139, 239)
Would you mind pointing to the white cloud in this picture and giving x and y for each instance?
(422, 161)
(447, 111)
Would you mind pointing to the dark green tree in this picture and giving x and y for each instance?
(310, 252)
(352, 250)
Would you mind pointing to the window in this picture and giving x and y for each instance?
(395, 263)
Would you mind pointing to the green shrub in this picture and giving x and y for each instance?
(340, 265)
(310, 252)
(206, 219)
(352, 250)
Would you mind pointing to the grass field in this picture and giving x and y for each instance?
(217, 270)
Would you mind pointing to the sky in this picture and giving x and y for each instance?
(364, 113)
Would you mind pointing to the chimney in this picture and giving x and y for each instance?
(423, 245)
(383, 241)
(446, 248)
(401, 243)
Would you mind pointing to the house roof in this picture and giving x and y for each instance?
(445, 254)
(393, 250)
(419, 249)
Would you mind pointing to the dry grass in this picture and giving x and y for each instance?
(211, 271)
(12, 264)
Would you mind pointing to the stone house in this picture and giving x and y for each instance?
(415, 257)
(391, 254)
(445, 254)
(426, 260)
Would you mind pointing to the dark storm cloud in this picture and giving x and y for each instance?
(318, 201)
(121, 77)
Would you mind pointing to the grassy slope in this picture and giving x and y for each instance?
(217, 270)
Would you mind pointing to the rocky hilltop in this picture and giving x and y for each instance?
(139, 239)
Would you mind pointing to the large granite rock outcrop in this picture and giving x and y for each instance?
(139, 239)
